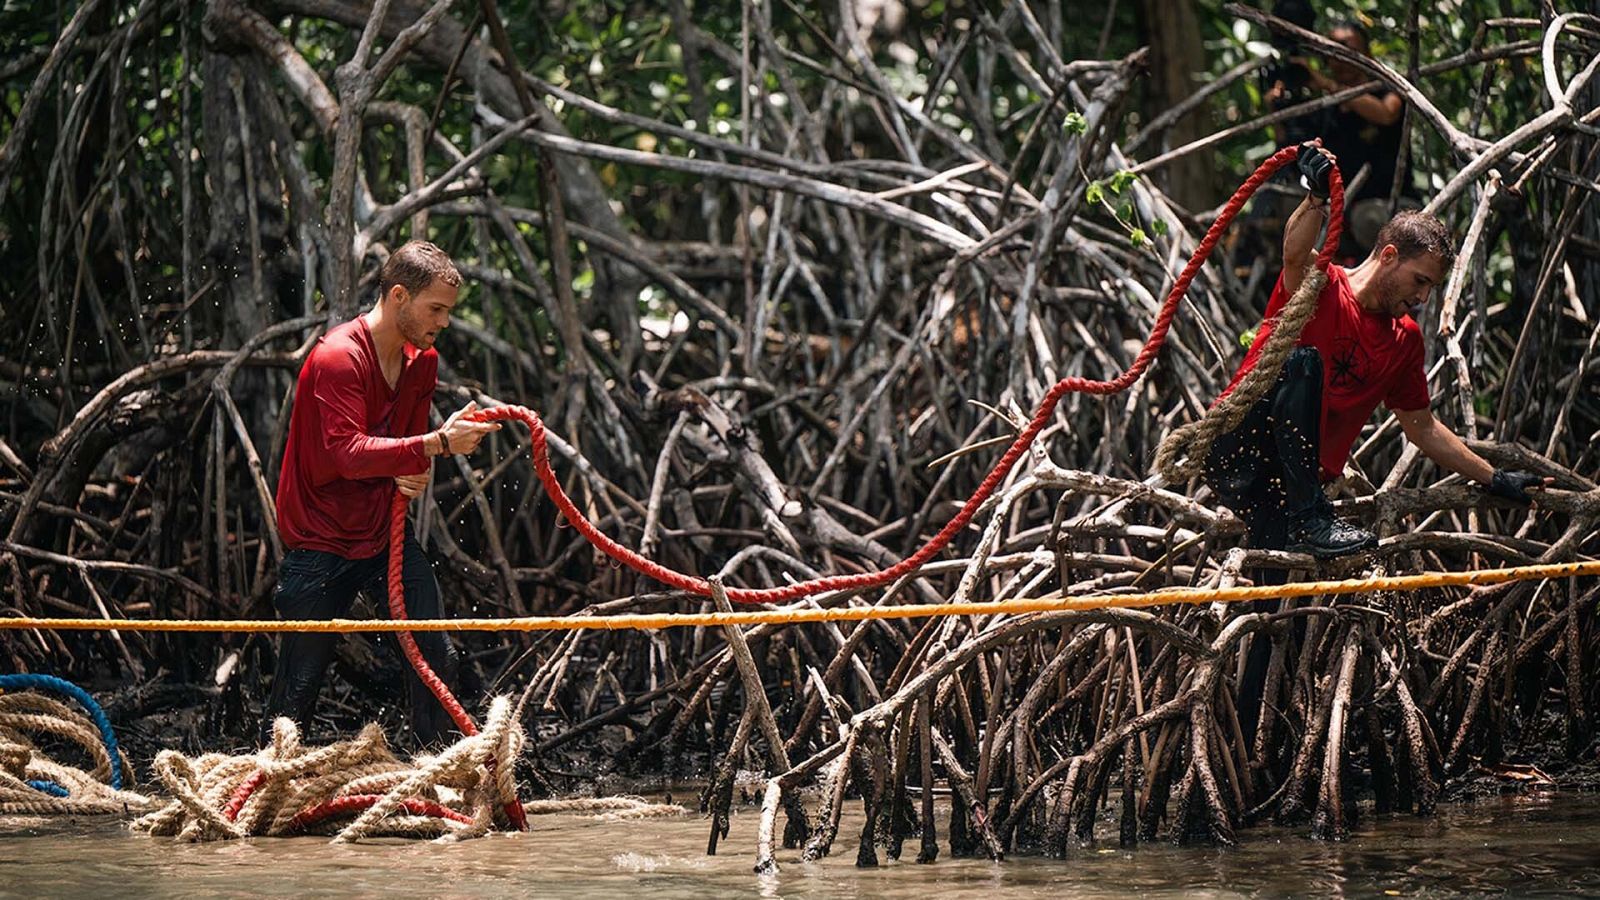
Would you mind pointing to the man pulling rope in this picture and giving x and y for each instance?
(356, 438)
(1357, 346)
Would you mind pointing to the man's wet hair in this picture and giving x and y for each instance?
(1414, 233)
(414, 266)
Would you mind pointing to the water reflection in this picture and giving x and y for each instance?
(1539, 844)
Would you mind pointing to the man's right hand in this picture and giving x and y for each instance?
(1315, 165)
(461, 434)
(1514, 486)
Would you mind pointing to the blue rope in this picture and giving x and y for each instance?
(49, 787)
(62, 686)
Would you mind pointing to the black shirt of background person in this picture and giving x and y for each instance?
(1358, 142)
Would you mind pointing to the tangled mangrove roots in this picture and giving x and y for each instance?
(787, 350)
(34, 731)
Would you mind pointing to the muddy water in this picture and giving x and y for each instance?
(1543, 845)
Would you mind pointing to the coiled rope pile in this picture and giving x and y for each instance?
(32, 781)
(289, 789)
(352, 789)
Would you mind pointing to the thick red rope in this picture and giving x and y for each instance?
(1041, 418)
(339, 806)
(408, 643)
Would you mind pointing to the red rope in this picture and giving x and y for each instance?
(408, 643)
(356, 802)
(1070, 384)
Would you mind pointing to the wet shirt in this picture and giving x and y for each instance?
(1367, 358)
(350, 434)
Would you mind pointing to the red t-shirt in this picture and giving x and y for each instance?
(1367, 358)
(348, 439)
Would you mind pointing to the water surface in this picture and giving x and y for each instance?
(1534, 845)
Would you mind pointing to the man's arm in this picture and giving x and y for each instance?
(1300, 240)
(354, 453)
(1305, 223)
(1441, 445)
(1383, 111)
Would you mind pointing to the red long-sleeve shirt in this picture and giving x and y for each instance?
(350, 434)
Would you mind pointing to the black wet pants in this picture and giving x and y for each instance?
(313, 584)
(1267, 472)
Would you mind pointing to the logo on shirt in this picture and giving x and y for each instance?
(1349, 364)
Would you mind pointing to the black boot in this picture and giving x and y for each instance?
(1325, 536)
(1297, 422)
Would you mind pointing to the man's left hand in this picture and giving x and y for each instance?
(1514, 486)
(1315, 163)
(412, 485)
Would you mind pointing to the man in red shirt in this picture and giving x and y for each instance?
(357, 435)
(1361, 348)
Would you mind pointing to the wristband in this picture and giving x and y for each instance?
(444, 444)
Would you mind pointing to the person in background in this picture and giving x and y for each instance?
(1364, 133)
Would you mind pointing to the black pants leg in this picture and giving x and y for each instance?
(1296, 426)
(429, 721)
(1266, 471)
(312, 584)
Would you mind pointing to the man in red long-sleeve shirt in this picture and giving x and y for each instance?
(357, 435)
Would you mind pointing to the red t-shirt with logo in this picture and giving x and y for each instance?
(350, 434)
(1367, 358)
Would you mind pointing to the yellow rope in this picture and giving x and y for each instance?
(643, 621)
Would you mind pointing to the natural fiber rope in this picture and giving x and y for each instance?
(1182, 454)
(25, 717)
(294, 789)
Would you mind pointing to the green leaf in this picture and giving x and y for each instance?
(1246, 338)
(1121, 180)
(1137, 238)
(1094, 193)
(1075, 123)
(1125, 210)
(1159, 226)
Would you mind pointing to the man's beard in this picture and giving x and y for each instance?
(412, 330)
(1393, 302)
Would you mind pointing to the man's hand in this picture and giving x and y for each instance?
(1514, 486)
(1315, 165)
(460, 434)
(412, 486)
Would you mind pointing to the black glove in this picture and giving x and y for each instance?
(1514, 486)
(1314, 169)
